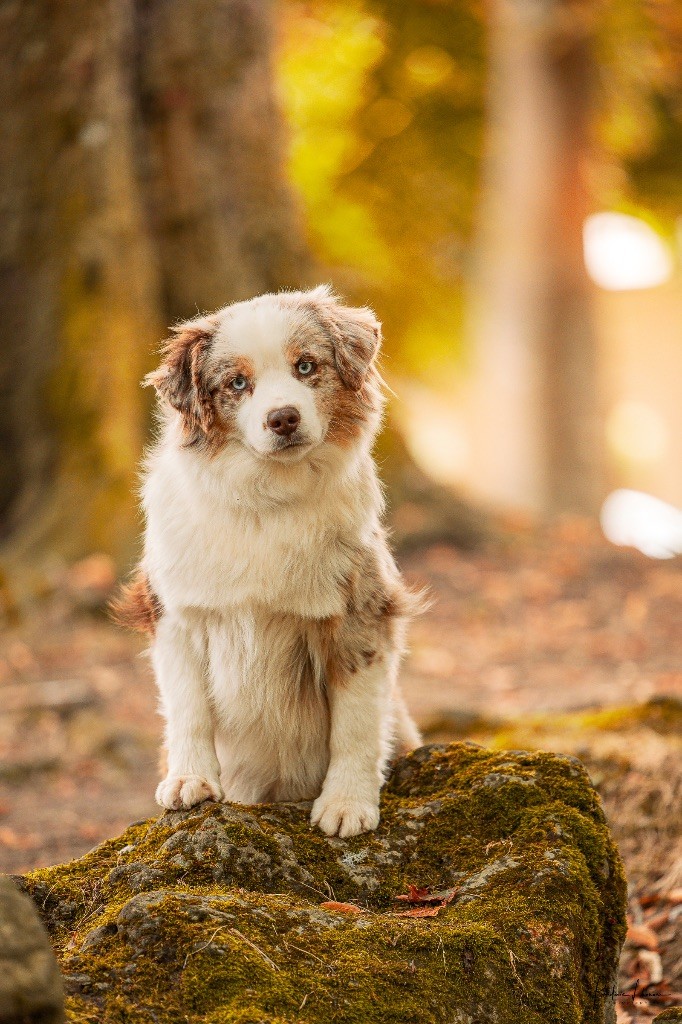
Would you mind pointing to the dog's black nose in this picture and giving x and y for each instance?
(284, 421)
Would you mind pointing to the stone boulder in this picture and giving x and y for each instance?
(513, 906)
(30, 983)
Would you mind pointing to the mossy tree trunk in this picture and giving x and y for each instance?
(539, 438)
(141, 169)
(79, 286)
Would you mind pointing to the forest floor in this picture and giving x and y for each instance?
(556, 640)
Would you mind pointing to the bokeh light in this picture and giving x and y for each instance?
(634, 519)
(624, 252)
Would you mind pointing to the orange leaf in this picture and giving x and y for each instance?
(16, 841)
(417, 894)
(643, 936)
(341, 908)
(658, 920)
(420, 911)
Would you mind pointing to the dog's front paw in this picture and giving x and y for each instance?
(178, 792)
(344, 816)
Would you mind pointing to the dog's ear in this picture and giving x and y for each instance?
(354, 332)
(181, 377)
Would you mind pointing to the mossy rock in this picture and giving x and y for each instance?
(215, 914)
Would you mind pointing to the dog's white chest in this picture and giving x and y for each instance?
(214, 557)
(269, 705)
(257, 662)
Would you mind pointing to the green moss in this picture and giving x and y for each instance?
(661, 714)
(214, 914)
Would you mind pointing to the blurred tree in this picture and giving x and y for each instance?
(391, 145)
(393, 191)
(539, 435)
(584, 112)
(141, 174)
(639, 124)
(385, 101)
(222, 215)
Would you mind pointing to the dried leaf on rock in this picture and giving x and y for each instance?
(341, 908)
(417, 894)
(420, 911)
(421, 895)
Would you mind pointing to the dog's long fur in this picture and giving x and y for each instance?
(276, 610)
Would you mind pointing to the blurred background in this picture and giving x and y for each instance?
(502, 181)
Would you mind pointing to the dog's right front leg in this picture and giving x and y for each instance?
(193, 769)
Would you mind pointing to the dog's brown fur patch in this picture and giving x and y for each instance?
(349, 410)
(137, 606)
(378, 606)
(347, 398)
(355, 335)
(181, 380)
(201, 394)
(227, 369)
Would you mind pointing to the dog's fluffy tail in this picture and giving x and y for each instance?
(136, 606)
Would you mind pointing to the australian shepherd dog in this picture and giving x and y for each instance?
(275, 609)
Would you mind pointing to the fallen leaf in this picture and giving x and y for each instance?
(417, 894)
(424, 895)
(14, 841)
(342, 908)
(420, 911)
(658, 920)
(642, 936)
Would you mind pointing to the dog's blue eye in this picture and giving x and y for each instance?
(305, 367)
(240, 383)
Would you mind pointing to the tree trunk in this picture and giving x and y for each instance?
(222, 216)
(141, 169)
(538, 437)
(78, 288)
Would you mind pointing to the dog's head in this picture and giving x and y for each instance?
(280, 374)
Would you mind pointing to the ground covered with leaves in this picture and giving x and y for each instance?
(557, 641)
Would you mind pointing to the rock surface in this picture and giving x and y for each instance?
(30, 982)
(217, 914)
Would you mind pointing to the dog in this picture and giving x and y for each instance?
(276, 611)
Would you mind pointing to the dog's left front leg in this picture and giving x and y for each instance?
(359, 705)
